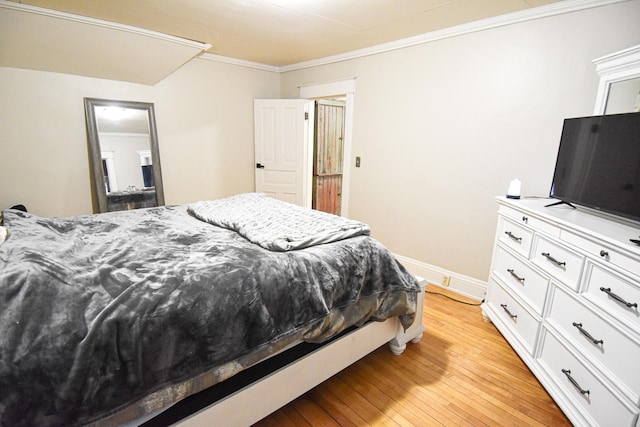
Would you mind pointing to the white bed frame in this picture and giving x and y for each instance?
(250, 404)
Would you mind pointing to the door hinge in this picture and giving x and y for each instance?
(306, 115)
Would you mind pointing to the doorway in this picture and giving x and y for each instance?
(285, 145)
(338, 90)
(328, 155)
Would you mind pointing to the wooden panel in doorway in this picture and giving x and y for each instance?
(328, 156)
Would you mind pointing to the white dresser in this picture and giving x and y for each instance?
(564, 290)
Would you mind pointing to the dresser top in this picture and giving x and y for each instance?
(584, 221)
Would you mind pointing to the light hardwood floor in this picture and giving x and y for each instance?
(463, 372)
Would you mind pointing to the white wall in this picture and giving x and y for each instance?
(204, 114)
(205, 122)
(443, 127)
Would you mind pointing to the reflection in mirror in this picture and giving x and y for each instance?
(623, 97)
(125, 160)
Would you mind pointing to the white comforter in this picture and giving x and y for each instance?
(274, 224)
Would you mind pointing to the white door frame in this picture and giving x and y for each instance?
(107, 157)
(346, 88)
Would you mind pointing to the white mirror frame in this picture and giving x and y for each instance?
(618, 66)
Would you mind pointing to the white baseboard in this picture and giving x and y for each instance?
(463, 285)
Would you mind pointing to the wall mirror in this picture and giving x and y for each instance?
(124, 155)
(619, 89)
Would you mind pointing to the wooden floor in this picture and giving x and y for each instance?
(463, 372)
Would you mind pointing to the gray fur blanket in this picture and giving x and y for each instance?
(108, 316)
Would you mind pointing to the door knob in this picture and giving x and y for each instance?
(259, 166)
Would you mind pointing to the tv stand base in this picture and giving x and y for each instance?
(560, 202)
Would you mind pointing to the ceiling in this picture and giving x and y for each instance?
(285, 32)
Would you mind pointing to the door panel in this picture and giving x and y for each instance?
(328, 194)
(328, 156)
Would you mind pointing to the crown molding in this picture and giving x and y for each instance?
(240, 62)
(546, 11)
(540, 12)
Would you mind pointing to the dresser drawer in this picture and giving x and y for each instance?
(533, 222)
(594, 336)
(515, 236)
(618, 296)
(558, 261)
(597, 403)
(526, 282)
(520, 322)
(603, 252)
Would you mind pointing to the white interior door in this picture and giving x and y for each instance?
(282, 131)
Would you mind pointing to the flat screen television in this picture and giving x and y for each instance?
(598, 164)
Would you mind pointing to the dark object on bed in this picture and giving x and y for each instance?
(19, 208)
(122, 313)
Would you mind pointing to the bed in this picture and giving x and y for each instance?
(108, 318)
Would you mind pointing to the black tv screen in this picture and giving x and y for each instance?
(598, 164)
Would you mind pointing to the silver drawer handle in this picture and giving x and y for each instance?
(510, 234)
(567, 372)
(553, 260)
(617, 298)
(515, 276)
(504, 307)
(587, 334)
